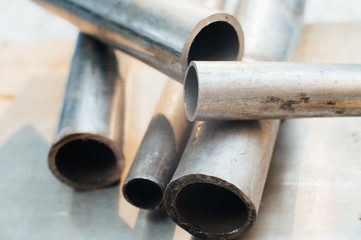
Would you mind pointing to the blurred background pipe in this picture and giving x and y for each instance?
(216, 4)
(159, 153)
(286, 17)
(167, 35)
(217, 188)
(87, 152)
(271, 90)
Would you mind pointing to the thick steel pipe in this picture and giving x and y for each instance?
(87, 152)
(167, 35)
(271, 90)
(159, 153)
(217, 188)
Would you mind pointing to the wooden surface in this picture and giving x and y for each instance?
(313, 189)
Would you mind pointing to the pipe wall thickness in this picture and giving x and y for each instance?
(160, 150)
(217, 188)
(165, 34)
(271, 90)
(87, 152)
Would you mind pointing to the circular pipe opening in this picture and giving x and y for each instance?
(191, 91)
(143, 193)
(211, 208)
(217, 41)
(85, 161)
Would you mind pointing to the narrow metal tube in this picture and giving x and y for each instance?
(167, 35)
(159, 153)
(217, 188)
(87, 152)
(271, 90)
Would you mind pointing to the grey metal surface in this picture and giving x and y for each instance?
(88, 150)
(159, 153)
(271, 90)
(164, 34)
(217, 187)
(286, 16)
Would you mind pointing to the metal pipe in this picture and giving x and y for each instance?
(165, 34)
(286, 21)
(271, 90)
(159, 153)
(217, 188)
(87, 152)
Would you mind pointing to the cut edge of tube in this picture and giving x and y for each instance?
(143, 193)
(108, 174)
(222, 189)
(218, 37)
(191, 92)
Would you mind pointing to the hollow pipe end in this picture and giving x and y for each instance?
(218, 37)
(191, 92)
(209, 207)
(143, 193)
(86, 161)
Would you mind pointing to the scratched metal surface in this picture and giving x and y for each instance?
(313, 188)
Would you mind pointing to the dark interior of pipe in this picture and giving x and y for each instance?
(211, 208)
(85, 161)
(216, 42)
(143, 193)
(191, 92)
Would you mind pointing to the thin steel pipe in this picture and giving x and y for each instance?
(271, 90)
(167, 35)
(217, 188)
(160, 150)
(87, 152)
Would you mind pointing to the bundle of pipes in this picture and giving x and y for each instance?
(215, 191)
(138, 28)
(217, 188)
(87, 153)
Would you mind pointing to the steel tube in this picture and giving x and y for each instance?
(271, 90)
(286, 19)
(160, 150)
(87, 152)
(167, 35)
(217, 188)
